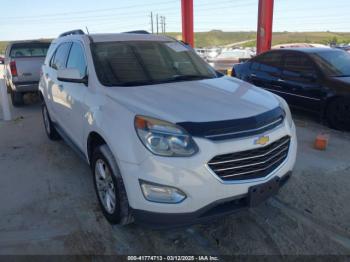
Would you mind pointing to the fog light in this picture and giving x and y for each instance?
(161, 194)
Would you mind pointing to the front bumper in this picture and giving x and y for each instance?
(192, 176)
(208, 213)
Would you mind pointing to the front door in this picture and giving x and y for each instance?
(73, 96)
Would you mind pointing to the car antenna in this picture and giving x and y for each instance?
(87, 30)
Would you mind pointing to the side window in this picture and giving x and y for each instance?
(58, 60)
(76, 59)
(270, 62)
(298, 64)
(49, 54)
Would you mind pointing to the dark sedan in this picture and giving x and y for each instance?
(315, 79)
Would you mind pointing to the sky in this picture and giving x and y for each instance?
(31, 19)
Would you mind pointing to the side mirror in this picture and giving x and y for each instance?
(71, 75)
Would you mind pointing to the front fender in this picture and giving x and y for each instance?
(115, 124)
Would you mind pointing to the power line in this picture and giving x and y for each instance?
(86, 11)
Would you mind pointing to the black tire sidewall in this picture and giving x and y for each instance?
(53, 135)
(118, 215)
(332, 117)
(17, 99)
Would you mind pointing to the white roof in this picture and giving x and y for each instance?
(120, 37)
(129, 37)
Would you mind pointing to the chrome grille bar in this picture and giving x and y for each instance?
(257, 170)
(254, 164)
(250, 164)
(246, 158)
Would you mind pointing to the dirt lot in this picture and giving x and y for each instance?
(48, 205)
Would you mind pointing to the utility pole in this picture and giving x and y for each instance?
(157, 23)
(152, 22)
(161, 23)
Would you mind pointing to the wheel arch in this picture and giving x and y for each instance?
(328, 102)
(94, 140)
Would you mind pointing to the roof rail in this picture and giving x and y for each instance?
(72, 32)
(137, 32)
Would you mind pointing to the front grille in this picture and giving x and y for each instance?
(250, 164)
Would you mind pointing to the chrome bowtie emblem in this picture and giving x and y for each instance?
(263, 140)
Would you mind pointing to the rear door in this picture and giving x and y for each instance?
(55, 87)
(266, 70)
(300, 81)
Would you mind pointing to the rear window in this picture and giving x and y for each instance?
(29, 50)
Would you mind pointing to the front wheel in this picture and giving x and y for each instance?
(109, 187)
(338, 114)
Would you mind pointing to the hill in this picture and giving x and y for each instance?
(219, 38)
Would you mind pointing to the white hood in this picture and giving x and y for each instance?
(223, 98)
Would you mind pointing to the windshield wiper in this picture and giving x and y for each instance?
(172, 79)
(189, 77)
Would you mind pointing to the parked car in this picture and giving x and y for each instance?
(1, 60)
(300, 45)
(202, 52)
(23, 60)
(344, 47)
(315, 79)
(227, 58)
(169, 140)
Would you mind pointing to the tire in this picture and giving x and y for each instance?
(109, 187)
(17, 99)
(338, 114)
(9, 90)
(49, 126)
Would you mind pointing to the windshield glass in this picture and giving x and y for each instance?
(29, 50)
(147, 62)
(334, 63)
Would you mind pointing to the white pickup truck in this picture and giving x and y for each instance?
(169, 140)
(23, 61)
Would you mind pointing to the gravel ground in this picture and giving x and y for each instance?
(48, 205)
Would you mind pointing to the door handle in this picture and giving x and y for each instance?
(280, 80)
(253, 75)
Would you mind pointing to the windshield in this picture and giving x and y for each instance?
(147, 62)
(29, 50)
(334, 62)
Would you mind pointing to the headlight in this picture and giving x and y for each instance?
(286, 109)
(163, 138)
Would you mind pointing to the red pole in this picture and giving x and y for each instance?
(187, 21)
(264, 32)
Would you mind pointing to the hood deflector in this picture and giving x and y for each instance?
(229, 129)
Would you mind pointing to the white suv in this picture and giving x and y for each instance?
(169, 140)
